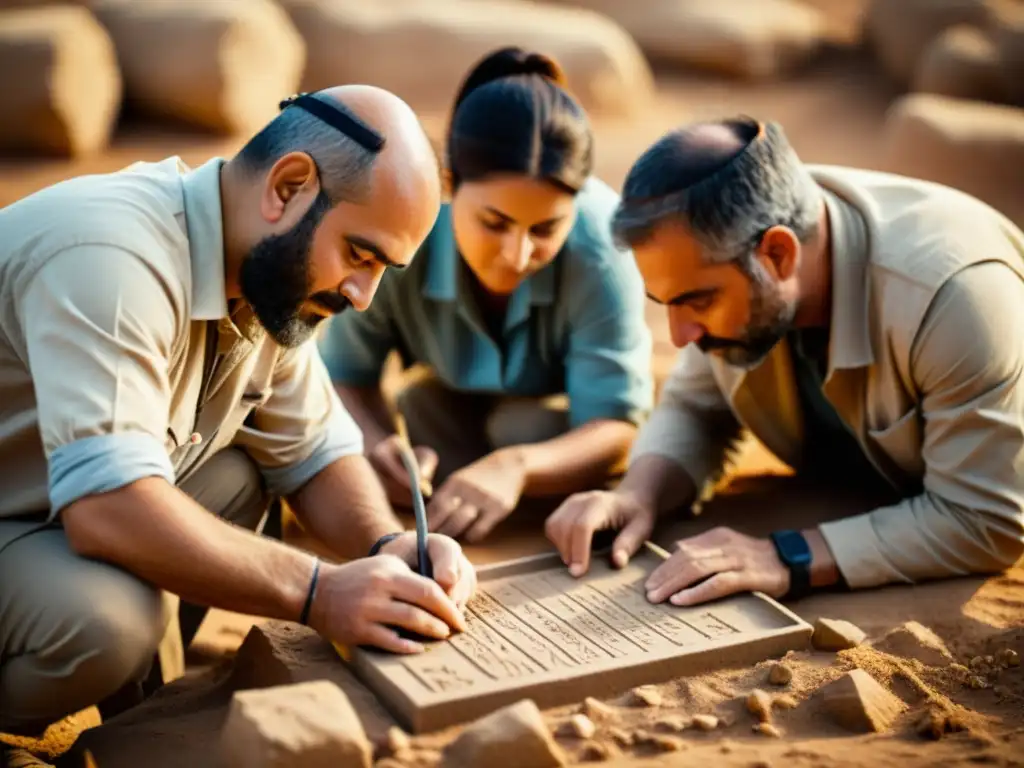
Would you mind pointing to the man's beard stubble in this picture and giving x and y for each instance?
(275, 279)
(771, 318)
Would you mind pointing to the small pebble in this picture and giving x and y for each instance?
(977, 682)
(1008, 658)
(978, 664)
(579, 727)
(646, 697)
(594, 752)
(672, 724)
(785, 701)
(780, 674)
(759, 704)
(396, 741)
(596, 710)
(621, 737)
(767, 729)
(667, 743)
(705, 722)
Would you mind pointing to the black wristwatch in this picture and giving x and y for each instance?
(795, 553)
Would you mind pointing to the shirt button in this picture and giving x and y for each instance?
(196, 438)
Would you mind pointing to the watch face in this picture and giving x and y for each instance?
(793, 548)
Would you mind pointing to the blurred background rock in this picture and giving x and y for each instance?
(931, 88)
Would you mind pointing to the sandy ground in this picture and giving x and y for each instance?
(832, 114)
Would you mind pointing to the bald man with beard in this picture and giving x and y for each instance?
(159, 385)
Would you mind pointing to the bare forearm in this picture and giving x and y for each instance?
(345, 507)
(578, 460)
(659, 484)
(158, 533)
(366, 405)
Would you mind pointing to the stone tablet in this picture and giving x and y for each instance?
(536, 632)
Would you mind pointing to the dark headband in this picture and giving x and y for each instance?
(337, 118)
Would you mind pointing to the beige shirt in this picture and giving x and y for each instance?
(925, 362)
(111, 290)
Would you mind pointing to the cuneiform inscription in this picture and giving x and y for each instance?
(574, 646)
(658, 617)
(495, 656)
(711, 625)
(501, 619)
(440, 677)
(578, 617)
(610, 612)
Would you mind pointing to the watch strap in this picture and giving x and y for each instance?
(799, 568)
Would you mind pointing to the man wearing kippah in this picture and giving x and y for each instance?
(865, 327)
(159, 382)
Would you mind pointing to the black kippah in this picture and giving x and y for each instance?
(337, 118)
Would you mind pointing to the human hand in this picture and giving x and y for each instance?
(386, 458)
(572, 526)
(715, 564)
(362, 602)
(478, 497)
(452, 570)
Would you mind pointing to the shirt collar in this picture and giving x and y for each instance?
(443, 267)
(204, 221)
(850, 338)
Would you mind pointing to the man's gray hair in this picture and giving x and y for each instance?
(727, 203)
(343, 164)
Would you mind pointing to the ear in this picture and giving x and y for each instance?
(779, 251)
(293, 175)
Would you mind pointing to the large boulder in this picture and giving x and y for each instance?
(746, 39)
(899, 31)
(422, 50)
(61, 90)
(222, 65)
(962, 62)
(976, 147)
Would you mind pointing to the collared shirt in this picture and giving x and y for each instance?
(112, 294)
(576, 326)
(925, 367)
(829, 445)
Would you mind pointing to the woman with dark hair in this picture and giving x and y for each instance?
(525, 321)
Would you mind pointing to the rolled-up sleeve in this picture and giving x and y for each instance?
(303, 427)
(967, 362)
(608, 366)
(355, 345)
(99, 327)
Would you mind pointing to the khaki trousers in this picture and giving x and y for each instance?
(75, 632)
(463, 427)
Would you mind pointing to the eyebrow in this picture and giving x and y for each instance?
(376, 250)
(685, 298)
(510, 220)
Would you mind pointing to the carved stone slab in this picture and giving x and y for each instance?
(537, 632)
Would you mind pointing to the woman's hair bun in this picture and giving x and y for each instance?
(509, 62)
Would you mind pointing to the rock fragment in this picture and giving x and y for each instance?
(705, 722)
(512, 736)
(780, 674)
(913, 640)
(759, 704)
(311, 724)
(860, 703)
(836, 635)
(645, 696)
